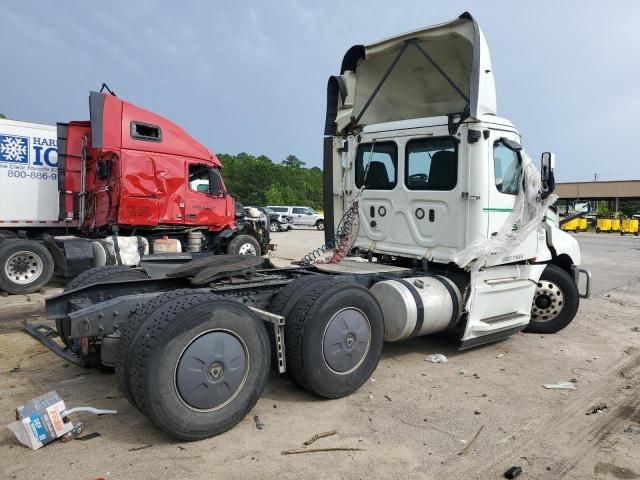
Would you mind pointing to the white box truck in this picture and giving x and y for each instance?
(28, 174)
(28, 203)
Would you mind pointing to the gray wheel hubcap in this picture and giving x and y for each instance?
(346, 340)
(273, 226)
(23, 267)
(212, 370)
(548, 302)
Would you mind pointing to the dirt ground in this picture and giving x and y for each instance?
(473, 417)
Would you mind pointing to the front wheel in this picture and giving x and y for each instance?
(555, 302)
(320, 224)
(275, 226)
(244, 245)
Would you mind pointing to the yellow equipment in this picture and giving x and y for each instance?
(629, 225)
(615, 225)
(573, 225)
(604, 225)
(583, 224)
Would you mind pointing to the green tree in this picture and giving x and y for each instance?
(258, 181)
(602, 208)
(2, 115)
(274, 195)
(293, 162)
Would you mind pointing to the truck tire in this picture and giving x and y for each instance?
(94, 275)
(274, 226)
(333, 338)
(555, 303)
(292, 292)
(320, 224)
(287, 298)
(244, 245)
(188, 355)
(25, 266)
(159, 306)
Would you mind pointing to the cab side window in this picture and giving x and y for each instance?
(431, 164)
(299, 211)
(378, 163)
(507, 169)
(205, 179)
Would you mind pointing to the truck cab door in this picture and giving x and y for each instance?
(205, 201)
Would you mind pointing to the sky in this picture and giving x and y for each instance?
(250, 76)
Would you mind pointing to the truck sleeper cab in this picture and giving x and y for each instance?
(414, 187)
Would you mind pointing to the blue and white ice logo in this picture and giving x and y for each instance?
(14, 149)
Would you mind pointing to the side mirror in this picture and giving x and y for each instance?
(584, 207)
(547, 166)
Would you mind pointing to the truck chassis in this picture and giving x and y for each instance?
(192, 345)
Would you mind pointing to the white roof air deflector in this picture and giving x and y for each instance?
(441, 70)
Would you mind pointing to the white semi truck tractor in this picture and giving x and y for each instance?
(436, 221)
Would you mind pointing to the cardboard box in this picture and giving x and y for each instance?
(41, 421)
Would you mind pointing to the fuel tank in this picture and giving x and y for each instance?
(417, 306)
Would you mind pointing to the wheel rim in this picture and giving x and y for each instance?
(548, 302)
(346, 340)
(247, 249)
(212, 370)
(23, 267)
(273, 226)
(320, 225)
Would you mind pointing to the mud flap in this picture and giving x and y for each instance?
(42, 333)
(500, 302)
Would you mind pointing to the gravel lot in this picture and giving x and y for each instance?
(473, 417)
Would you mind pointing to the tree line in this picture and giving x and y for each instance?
(258, 181)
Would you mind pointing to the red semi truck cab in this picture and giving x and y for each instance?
(140, 171)
(130, 184)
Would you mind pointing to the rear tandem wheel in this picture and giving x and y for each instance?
(197, 367)
(334, 333)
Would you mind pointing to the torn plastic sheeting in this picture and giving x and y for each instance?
(437, 358)
(526, 216)
(560, 386)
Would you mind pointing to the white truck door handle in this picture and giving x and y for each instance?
(472, 197)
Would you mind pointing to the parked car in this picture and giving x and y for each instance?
(277, 221)
(302, 216)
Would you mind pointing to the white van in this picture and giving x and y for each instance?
(302, 216)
